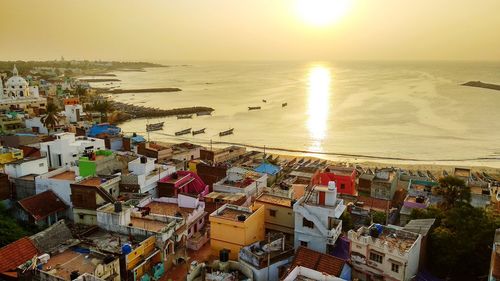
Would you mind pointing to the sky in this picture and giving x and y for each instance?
(226, 30)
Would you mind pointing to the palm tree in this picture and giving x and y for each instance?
(103, 107)
(51, 117)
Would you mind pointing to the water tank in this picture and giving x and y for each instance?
(126, 249)
(144, 160)
(224, 255)
(331, 185)
(118, 207)
(241, 217)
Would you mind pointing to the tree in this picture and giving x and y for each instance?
(347, 223)
(51, 117)
(10, 231)
(453, 191)
(103, 107)
(379, 217)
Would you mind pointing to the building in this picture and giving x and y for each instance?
(222, 155)
(384, 184)
(182, 182)
(144, 262)
(221, 269)
(234, 227)
(239, 180)
(494, 273)
(155, 150)
(279, 215)
(18, 94)
(365, 184)
(43, 209)
(66, 149)
(185, 151)
(11, 122)
(101, 162)
(422, 227)
(344, 178)
(384, 253)
(59, 182)
(15, 254)
(190, 208)
(311, 265)
(90, 193)
(9, 154)
(272, 172)
(210, 174)
(214, 200)
(22, 174)
(317, 213)
(143, 176)
(268, 258)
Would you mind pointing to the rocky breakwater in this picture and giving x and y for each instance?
(125, 111)
(480, 84)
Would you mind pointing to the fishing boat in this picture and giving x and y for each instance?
(200, 131)
(284, 104)
(154, 127)
(183, 132)
(226, 133)
(203, 113)
(254, 107)
(186, 116)
(264, 100)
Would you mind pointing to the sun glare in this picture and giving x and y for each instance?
(322, 12)
(318, 104)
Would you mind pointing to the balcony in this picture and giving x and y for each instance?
(334, 233)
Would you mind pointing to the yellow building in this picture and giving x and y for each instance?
(8, 155)
(233, 227)
(144, 260)
(279, 215)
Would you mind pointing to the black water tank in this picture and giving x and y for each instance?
(74, 275)
(224, 255)
(144, 159)
(242, 217)
(118, 206)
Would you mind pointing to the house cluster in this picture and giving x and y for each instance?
(114, 206)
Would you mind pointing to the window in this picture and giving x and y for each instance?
(307, 223)
(303, 243)
(342, 186)
(395, 267)
(376, 257)
(272, 213)
(40, 165)
(81, 216)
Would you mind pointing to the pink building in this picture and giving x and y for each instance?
(182, 182)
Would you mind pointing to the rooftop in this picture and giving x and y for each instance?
(224, 196)
(42, 205)
(16, 253)
(275, 200)
(324, 263)
(258, 253)
(66, 175)
(147, 224)
(342, 171)
(231, 212)
(167, 209)
(420, 226)
(394, 237)
(70, 260)
(92, 181)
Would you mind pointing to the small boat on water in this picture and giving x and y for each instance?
(264, 100)
(254, 107)
(183, 132)
(284, 104)
(203, 113)
(226, 133)
(200, 131)
(186, 116)
(154, 127)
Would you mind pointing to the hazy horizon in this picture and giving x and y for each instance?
(225, 30)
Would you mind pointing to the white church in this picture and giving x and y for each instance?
(18, 94)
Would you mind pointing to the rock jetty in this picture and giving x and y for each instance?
(480, 84)
(152, 90)
(125, 111)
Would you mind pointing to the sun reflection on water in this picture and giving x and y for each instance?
(318, 105)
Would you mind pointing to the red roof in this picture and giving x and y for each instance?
(15, 254)
(42, 205)
(323, 263)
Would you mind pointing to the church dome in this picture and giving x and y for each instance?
(17, 82)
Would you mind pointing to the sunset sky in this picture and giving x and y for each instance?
(161, 30)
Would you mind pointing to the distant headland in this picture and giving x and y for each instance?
(480, 84)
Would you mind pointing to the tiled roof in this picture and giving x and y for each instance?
(323, 263)
(43, 205)
(15, 254)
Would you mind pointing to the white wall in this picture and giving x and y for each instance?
(37, 166)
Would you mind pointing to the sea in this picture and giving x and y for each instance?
(392, 112)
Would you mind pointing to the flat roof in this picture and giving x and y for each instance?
(64, 263)
(93, 181)
(66, 175)
(275, 200)
(227, 212)
(146, 224)
(225, 196)
(167, 209)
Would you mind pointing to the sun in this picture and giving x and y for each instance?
(322, 12)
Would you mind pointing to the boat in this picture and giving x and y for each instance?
(421, 174)
(226, 133)
(186, 116)
(154, 127)
(200, 131)
(284, 104)
(183, 132)
(254, 107)
(264, 100)
(203, 113)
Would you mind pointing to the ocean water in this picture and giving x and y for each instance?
(393, 111)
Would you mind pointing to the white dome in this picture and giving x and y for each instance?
(16, 81)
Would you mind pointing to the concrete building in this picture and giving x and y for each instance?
(18, 94)
(317, 213)
(58, 181)
(234, 227)
(384, 184)
(42, 209)
(384, 252)
(222, 155)
(182, 182)
(155, 150)
(66, 149)
(26, 166)
(239, 180)
(9, 154)
(279, 215)
(267, 259)
(143, 176)
(186, 151)
(344, 178)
